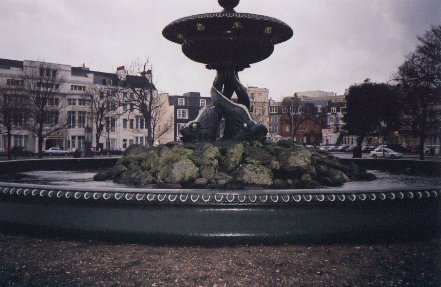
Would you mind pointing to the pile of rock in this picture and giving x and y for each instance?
(231, 164)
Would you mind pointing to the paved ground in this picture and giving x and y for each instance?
(27, 261)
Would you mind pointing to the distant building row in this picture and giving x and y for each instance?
(101, 109)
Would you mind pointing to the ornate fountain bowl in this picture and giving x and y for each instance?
(227, 39)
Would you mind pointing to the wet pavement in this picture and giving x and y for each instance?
(28, 261)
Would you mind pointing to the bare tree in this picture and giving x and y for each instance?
(419, 78)
(144, 98)
(11, 111)
(104, 106)
(292, 112)
(42, 84)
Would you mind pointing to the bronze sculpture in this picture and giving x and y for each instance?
(227, 42)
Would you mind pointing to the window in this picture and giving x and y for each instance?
(284, 109)
(112, 124)
(132, 107)
(107, 82)
(113, 145)
(202, 102)
(53, 101)
(81, 119)
(13, 82)
(125, 108)
(124, 123)
(77, 88)
(71, 119)
(82, 102)
(46, 72)
(141, 140)
(124, 143)
(131, 123)
(141, 123)
(273, 109)
(73, 142)
(20, 140)
(51, 118)
(19, 118)
(182, 114)
(89, 119)
(333, 109)
(81, 142)
(137, 123)
(72, 102)
(181, 101)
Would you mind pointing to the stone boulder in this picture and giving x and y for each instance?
(184, 172)
(231, 164)
(255, 175)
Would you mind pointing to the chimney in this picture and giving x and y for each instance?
(121, 72)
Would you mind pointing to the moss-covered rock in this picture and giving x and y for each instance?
(298, 161)
(233, 156)
(255, 175)
(150, 161)
(118, 170)
(184, 171)
(222, 178)
(206, 154)
(208, 171)
(232, 164)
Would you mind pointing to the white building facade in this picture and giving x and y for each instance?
(123, 125)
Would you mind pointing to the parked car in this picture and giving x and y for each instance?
(55, 151)
(350, 148)
(372, 147)
(323, 148)
(387, 152)
(380, 147)
(342, 147)
(332, 148)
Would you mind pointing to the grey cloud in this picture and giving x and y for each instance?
(336, 42)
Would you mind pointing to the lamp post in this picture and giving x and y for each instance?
(384, 129)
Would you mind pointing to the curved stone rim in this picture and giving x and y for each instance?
(175, 31)
(216, 197)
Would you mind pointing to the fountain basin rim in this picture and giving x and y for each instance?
(258, 192)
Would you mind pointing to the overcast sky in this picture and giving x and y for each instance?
(336, 42)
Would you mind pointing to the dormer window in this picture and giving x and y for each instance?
(181, 101)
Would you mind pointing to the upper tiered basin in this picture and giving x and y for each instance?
(227, 38)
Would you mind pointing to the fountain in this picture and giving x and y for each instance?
(227, 42)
